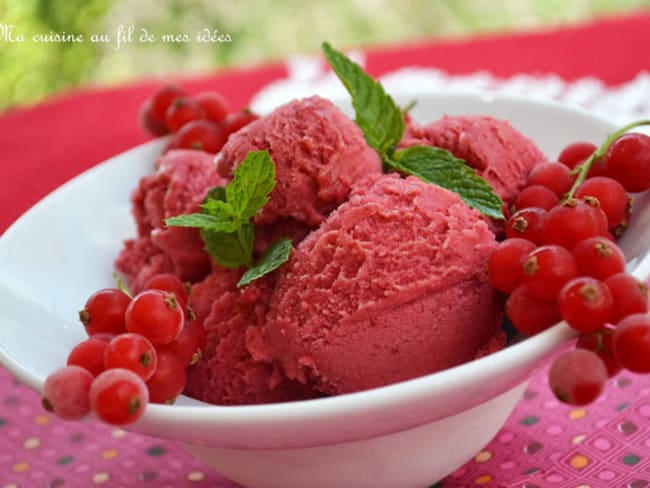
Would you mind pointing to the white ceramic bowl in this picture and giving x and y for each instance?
(404, 435)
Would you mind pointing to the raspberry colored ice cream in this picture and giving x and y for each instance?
(498, 152)
(178, 186)
(230, 374)
(319, 154)
(393, 285)
(387, 280)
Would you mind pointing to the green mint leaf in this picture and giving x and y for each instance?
(377, 114)
(253, 180)
(219, 223)
(231, 249)
(224, 248)
(220, 209)
(275, 256)
(215, 193)
(439, 166)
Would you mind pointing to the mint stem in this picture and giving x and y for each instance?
(241, 240)
(582, 170)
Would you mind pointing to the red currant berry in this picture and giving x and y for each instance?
(570, 223)
(172, 143)
(627, 160)
(202, 135)
(576, 153)
(133, 352)
(65, 392)
(149, 122)
(597, 168)
(103, 336)
(600, 343)
(88, 354)
(632, 342)
(577, 377)
(526, 224)
(620, 229)
(104, 312)
(156, 315)
(611, 197)
(547, 269)
(237, 120)
(505, 263)
(599, 258)
(586, 304)
(152, 112)
(189, 344)
(214, 105)
(167, 282)
(554, 176)
(181, 111)
(598, 215)
(536, 196)
(168, 380)
(630, 295)
(118, 396)
(528, 314)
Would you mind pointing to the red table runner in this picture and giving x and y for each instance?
(542, 444)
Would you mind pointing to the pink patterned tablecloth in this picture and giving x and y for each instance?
(543, 444)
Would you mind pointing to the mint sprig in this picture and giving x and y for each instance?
(382, 124)
(225, 220)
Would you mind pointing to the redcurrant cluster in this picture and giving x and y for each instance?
(560, 261)
(138, 351)
(202, 121)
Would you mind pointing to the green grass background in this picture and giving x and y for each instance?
(261, 30)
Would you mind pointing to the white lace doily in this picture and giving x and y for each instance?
(309, 75)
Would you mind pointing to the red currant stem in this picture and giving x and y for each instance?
(409, 106)
(47, 405)
(121, 285)
(601, 342)
(134, 405)
(582, 170)
(191, 314)
(196, 357)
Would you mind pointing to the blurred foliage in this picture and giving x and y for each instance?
(261, 30)
(33, 70)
